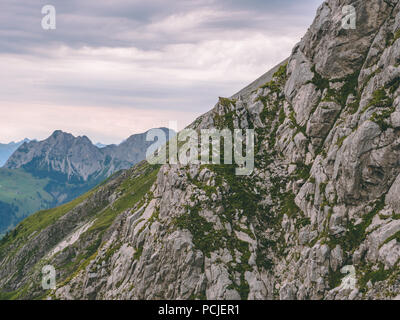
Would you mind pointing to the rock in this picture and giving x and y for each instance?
(313, 204)
(322, 119)
(389, 253)
(392, 198)
(336, 259)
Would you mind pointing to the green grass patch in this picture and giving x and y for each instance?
(21, 194)
(374, 276)
(396, 237)
(379, 100)
(133, 190)
(356, 234)
(320, 82)
(226, 102)
(138, 253)
(335, 278)
(39, 221)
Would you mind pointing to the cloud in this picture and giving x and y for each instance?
(103, 124)
(136, 58)
(167, 78)
(146, 24)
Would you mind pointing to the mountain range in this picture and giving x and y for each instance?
(317, 219)
(44, 174)
(6, 150)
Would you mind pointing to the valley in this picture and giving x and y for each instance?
(44, 174)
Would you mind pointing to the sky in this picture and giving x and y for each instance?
(114, 68)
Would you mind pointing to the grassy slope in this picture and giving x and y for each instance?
(131, 193)
(23, 192)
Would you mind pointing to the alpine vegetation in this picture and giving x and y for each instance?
(190, 148)
(317, 217)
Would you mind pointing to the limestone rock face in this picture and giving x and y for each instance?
(317, 219)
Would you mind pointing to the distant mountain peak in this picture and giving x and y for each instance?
(58, 133)
(61, 134)
(6, 150)
(77, 157)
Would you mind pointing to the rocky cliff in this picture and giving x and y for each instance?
(322, 199)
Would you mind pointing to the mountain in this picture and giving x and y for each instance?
(318, 218)
(21, 194)
(44, 174)
(62, 155)
(76, 159)
(6, 150)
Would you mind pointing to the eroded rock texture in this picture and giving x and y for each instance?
(324, 194)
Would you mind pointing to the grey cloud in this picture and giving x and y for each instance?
(176, 62)
(125, 23)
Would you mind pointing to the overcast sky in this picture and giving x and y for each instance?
(114, 68)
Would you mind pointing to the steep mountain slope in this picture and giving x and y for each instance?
(21, 194)
(6, 150)
(323, 195)
(44, 174)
